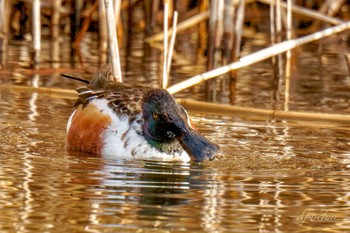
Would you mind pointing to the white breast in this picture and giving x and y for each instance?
(122, 140)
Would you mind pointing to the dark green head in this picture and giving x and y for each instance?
(165, 122)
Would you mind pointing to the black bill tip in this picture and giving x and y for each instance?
(198, 147)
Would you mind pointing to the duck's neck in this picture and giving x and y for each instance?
(166, 147)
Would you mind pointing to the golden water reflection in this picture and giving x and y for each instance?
(269, 177)
(256, 184)
(92, 194)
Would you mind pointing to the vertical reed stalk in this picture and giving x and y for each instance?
(279, 67)
(239, 28)
(214, 42)
(2, 17)
(211, 47)
(228, 40)
(307, 12)
(113, 43)
(165, 44)
(347, 58)
(36, 30)
(289, 20)
(5, 10)
(172, 42)
(215, 61)
(273, 29)
(55, 28)
(278, 21)
(272, 22)
(55, 20)
(279, 35)
(210, 85)
(2, 34)
(259, 56)
(102, 32)
(203, 29)
(288, 56)
(219, 26)
(215, 32)
(229, 33)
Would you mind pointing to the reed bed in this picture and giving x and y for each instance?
(265, 114)
(113, 40)
(224, 20)
(258, 56)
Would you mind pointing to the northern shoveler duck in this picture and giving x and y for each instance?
(113, 119)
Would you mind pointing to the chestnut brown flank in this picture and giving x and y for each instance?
(86, 129)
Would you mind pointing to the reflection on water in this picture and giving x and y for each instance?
(269, 177)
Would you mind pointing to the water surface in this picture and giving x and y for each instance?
(269, 176)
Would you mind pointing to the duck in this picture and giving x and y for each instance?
(116, 120)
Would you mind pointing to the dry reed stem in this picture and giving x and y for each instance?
(310, 13)
(205, 15)
(216, 32)
(288, 55)
(36, 30)
(217, 109)
(5, 10)
(103, 40)
(165, 44)
(259, 56)
(55, 33)
(2, 18)
(278, 20)
(55, 20)
(347, 58)
(279, 38)
(264, 114)
(172, 42)
(272, 22)
(229, 33)
(113, 43)
(239, 27)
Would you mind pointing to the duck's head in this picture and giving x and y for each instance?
(166, 122)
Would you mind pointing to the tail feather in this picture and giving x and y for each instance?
(100, 80)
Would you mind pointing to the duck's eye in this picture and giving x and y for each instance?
(155, 116)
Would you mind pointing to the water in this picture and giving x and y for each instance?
(269, 177)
